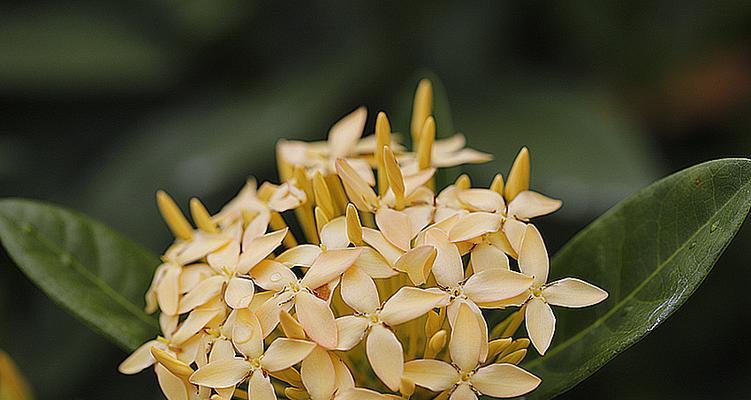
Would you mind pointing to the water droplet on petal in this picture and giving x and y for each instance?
(276, 277)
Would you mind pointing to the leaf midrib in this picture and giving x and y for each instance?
(633, 293)
(78, 266)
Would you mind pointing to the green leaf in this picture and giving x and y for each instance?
(90, 270)
(650, 252)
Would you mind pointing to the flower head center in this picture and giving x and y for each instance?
(466, 376)
(256, 363)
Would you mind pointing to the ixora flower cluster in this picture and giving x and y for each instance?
(384, 301)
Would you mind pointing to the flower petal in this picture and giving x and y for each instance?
(201, 294)
(540, 323)
(359, 291)
(247, 335)
(260, 387)
(372, 263)
(485, 256)
(300, 256)
(463, 392)
(168, 290)
(419, 217)
(258, 249)
(192, 275)
(465, 345)
(316, 317)
(573, 293)
(225, 258)
(409, 303)
(448, 268)
(140, 359)
(474, 225)
(328, 266)
(358, 190)
(375, 239)
(533, 257)
(395, 226)
(360, 394)
(504, 380)
(239, 292)
(221, 373)
(481, 200)
(529, 204)
(514, 230)
(173, 387)
(433, 375)
(496, 285)
(344, 379)
(417, 263)
(272, 275)
(284, 353)
(350, 331)
(197, 320)
(386, 356)
(334, 234)
(318, 375)
(345, 133)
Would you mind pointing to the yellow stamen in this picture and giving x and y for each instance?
(354, 227)
(177, 367)
(421, 109)
(172, 215)
(518, 177)
(201, 216)
(394, 174)
(383, 138)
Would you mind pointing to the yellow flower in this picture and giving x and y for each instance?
(462, 379)
(245, 308)
(567, 292)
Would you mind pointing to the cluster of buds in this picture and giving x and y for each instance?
(387, 297)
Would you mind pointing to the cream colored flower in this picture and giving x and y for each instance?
(256, 363)
(344, 141)
(253, 202)
(462, 379)
(402, 211)
(375, 323)
(306, 294)
(567, 292)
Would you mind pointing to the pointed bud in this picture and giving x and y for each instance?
(177, 367)
(518, 177)
(495, 347)
(497, 184)
(323, 195)
(383, 138)
(172, 215)
(292, 329)
(425, 148)
(513, 358)
(463, 182)
(394, 174)
(201, 216)
(294, 393)
(354, 226)
(421, 109)
(436, 344)
(321, 219)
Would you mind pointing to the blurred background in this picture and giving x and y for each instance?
(103, 102)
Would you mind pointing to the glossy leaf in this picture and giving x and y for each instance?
(650, 252)
(90, 270)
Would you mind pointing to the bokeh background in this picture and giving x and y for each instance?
(103, 102)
